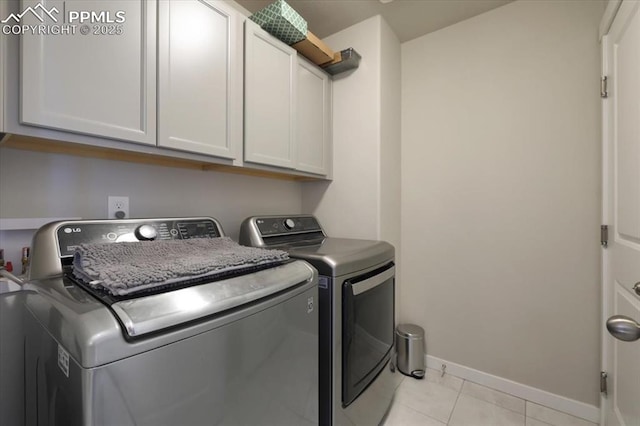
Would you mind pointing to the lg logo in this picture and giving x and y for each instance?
(72, 230)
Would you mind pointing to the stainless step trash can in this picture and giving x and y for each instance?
(410, 349)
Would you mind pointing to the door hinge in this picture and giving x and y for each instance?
(603, 87)
(603, 382)
(604, 235)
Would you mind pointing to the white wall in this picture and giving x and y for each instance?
(362, 201)
(500, 194)
(50, 185)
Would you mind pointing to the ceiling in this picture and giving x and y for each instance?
(408, 18)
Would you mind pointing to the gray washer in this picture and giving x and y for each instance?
(252, 364)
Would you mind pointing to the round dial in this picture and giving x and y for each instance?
(146, 233)
(289, 224)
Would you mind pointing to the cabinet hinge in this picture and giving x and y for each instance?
(603, 87)
(604, 235)
(603, 382)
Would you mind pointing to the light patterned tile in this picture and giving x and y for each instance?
(398, 378)
(470, 411)
(554, 417)
(428, 398)
(401, 415)
(486, 394)
(452, 382)
(533, 422)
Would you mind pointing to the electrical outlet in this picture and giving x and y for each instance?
(117, 207)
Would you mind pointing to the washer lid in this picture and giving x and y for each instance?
(149, 314)
(93, 333)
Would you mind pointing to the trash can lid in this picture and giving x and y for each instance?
(411, 331)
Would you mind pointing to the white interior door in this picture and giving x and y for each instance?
(621, 260)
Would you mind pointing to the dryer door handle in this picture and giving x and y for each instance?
(369, 283)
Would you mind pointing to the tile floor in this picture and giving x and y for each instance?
(450, 400)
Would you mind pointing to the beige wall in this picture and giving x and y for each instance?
(348, 206)
(390, 143)
(363, 200)
(50, 185)
(500, 194)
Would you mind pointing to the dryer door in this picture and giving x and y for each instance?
(367, 329)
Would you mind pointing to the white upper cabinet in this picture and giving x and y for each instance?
(313, 119)
(199, 98)
(269, 101)
(287, 106)
(102, 83)
(178, 78)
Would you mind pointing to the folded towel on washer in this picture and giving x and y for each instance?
(128, 267)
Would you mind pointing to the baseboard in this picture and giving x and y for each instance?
(566, 405)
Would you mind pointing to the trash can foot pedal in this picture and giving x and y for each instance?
(418, 374)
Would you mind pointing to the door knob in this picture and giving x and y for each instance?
(636, 288)
(623, 328)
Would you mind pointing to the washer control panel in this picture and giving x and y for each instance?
(72, 234)
(287, 225)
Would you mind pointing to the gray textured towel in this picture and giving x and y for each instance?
(128, 267)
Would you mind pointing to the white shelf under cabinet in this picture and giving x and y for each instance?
(20, 224)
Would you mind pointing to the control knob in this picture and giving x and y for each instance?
(146, 233)
(289, 224)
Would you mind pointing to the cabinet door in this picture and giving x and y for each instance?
(270, 67)
(313, 119)
(100, 83)
(197, 77)
(3, 99)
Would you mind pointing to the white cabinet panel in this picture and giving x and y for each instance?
(313, 119)
(197, 77)
(270, 72)
(102, 83)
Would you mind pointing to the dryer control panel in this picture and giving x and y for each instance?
(280, 231)
(287, 225)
